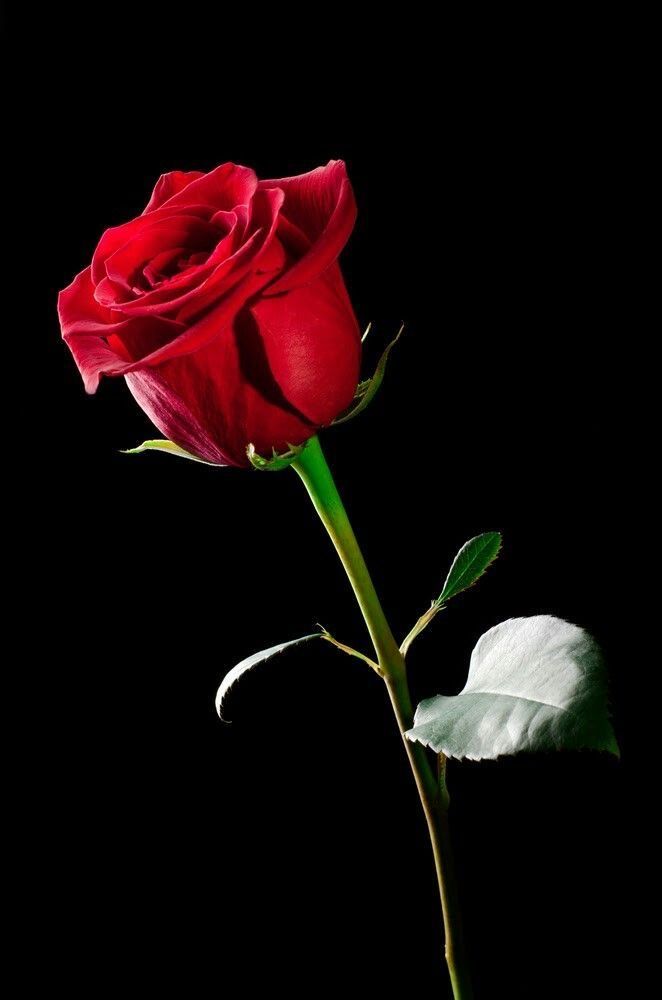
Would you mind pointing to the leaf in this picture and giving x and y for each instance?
(470, 563)
(170, 448)
(534, 684)
(252, 661)
(468, 566)
(367, 390)
(276, 462)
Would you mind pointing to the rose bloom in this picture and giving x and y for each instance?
(224, 308)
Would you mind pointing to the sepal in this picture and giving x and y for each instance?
(277, 461)
(367, 390)
(169, 448)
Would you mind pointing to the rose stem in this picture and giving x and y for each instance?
(316, 475)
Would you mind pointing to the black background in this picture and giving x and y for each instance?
(288, 851)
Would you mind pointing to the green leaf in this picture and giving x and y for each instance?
(252, 661)
(170, 448)
(468, 566)
(470, 563)
(534, 684)
(276, 462)
(367, 390)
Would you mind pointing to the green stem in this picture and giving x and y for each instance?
(316, 475)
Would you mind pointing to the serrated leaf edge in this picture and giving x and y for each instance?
(488, 536)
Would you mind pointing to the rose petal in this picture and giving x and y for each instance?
(187, 296)
(153, 340)
(200, 286)
(194, 337)
(169, 185)
(292, 238)
(85, 326)
(162, 264)
(172, 416)
(262, 253)
(110, 294)
(225, 388)
(321, 205)
(94, 357)
(125, 263)
(225, 188)
(78, 310)
(118, 236)
(180, 287)
(83, 330)
(312, 344)
(229, 221)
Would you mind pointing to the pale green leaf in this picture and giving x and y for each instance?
(252, 661)
(534, 684)
(170, 448)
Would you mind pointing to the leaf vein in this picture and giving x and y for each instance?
(519, 697)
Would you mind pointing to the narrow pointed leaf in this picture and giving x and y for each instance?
(470, 563)
(169, 447)
(534, 683)
(368, 389)
(252, 661)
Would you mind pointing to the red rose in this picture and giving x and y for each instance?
(224, 307)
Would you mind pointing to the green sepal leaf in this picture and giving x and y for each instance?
(534, 683)
(170, 448)
(276, 462)
(470, 563)
(252, 661)
(366, 390)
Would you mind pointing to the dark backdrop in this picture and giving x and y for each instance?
(288, 851)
